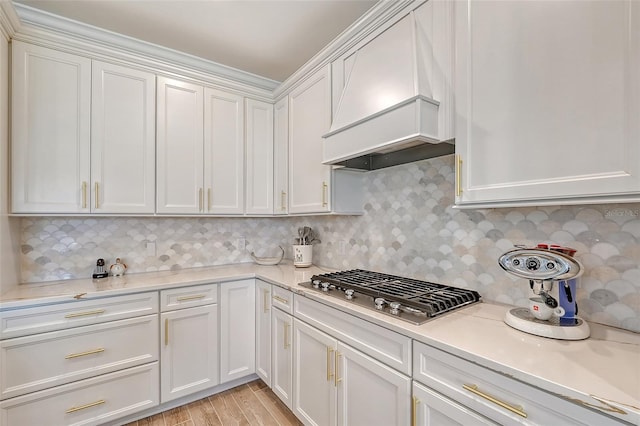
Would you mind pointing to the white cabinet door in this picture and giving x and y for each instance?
(547, 115)
(314, 386)
(189, 351)
(179, 147)
(263, 331)
(123, 140)
(309, 119)
(237, 329)
(223, 152)
(259, 164)
(434, 409)
(50, 130)
(282, 356)
(369, 392)
(281, 157)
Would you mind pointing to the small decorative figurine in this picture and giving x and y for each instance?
(100, 272)
(117, 269)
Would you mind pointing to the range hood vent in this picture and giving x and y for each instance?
(396, 94)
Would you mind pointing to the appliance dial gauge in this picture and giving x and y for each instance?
(325, 286)
(395, 308)
(315, 283)
(349, 294)
(379, 301)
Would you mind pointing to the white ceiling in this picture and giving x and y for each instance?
(270, 38)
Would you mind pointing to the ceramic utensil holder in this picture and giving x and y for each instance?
(302, 255)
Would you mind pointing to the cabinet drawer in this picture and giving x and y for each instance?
(187, 297)
(45, 360)
(494, 395)
(23, 322)
(87, 402)
(384, 345)
(282, 299)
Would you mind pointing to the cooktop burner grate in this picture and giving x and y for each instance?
(431, 298)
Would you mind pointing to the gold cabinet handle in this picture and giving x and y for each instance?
(414, 411)
(324, 194)
(185, 298)
(514, 409)
(84, 195)
(281, 300)
(97, 188)
(79, 354)
(335, 376)
(82, 407)
(85, 314)
(287, 345)
(265, 300)
(209, 199)
(458, 171)
(166, 331)
(283, 196)
(329, 373)
(200, 199)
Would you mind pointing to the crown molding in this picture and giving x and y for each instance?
(55, 31)
(9, 21)
(380, 13)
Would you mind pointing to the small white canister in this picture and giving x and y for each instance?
(302, 255)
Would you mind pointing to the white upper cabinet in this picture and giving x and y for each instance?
(281, 157)
(259, 158)
(309, 119)
(51, 104)
(180, 153)
(547, 100)
(122, 140)
(200, 148)
(223, 152)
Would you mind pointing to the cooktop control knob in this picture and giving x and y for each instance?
(394, 308)
(379, 301)
(325, 286)
(349, 294)
(315, 283)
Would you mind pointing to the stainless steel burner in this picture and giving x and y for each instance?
(406, 298)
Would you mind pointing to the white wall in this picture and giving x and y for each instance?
(9, 227)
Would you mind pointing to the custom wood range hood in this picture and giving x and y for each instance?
(396, 102)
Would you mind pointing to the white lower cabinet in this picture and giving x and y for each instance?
(237, 329)
(282, 356)
(433, 409)
(189, 351)
(336, 384)
(263, 331)
(87, 402)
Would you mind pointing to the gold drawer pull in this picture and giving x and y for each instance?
(166, 331)
(82, 407)
(265, 300)
(85, 314)
(287, 345)
(84, 195)
(91, 352)
(414, 412)
(185, 298)
(281, 300)
(335, 376)
(458, 172)
(324, 194)
(514, 409)
(329, 374)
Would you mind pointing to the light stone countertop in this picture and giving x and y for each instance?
(603, 371)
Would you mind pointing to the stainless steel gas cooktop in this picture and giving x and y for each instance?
(405, 298)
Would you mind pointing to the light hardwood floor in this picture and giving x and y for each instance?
(249, 404)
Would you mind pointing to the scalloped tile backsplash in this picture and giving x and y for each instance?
(409, 228)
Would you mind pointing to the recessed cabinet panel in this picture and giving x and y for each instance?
(309, 119)
(546, 114)
(223, 152)
(259, 157)
(122, 140)
(237, 329)
(281, 157)
(179, 147)
(50, 116)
